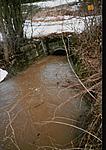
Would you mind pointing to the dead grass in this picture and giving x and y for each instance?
(87, 49)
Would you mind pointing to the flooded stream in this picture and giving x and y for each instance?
(29, 101)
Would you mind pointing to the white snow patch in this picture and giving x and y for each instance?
(24, 12)
(71, 24)
(74, 7)
(1, 37)
(3, 74)
(52, 3)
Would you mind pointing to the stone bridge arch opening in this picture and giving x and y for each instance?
(59, 52)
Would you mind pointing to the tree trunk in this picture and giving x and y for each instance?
(5, 47)
(11, 26)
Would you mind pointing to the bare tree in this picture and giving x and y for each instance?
(11, 23)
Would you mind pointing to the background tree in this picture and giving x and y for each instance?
(11, 26)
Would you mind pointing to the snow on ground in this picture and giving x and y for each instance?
(3, 74)
(45, 26)
(51, 18)
(74, 8)
(52, 3)
(1, 38)
(69, 24)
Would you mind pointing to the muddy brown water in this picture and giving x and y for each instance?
(29, 101)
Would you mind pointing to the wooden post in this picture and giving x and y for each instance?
(44, 47)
